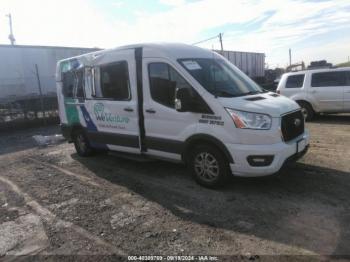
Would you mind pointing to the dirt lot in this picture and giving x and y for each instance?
(54, 202)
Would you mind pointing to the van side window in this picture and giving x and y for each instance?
(337, 78)
(68, 81)
(163, 82)
(114, 82)
(295, 81)
(79, 84)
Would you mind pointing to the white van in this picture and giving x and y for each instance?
(319, 90)
(179, 103)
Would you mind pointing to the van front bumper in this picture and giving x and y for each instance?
(282, 153)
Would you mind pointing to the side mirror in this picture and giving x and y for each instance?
(183, 100)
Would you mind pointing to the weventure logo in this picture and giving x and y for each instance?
(102, 115)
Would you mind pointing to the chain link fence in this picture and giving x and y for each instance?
(25, 110)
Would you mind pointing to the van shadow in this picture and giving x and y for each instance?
(307, 206)
(341, 119)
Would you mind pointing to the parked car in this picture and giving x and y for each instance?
(318, 91)
(178, 103)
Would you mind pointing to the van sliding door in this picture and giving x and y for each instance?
(111, 110)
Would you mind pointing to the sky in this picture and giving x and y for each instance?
(313, 29)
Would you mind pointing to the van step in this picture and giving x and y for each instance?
(133, 157)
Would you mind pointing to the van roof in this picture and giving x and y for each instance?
(318, 70)
(172, 50)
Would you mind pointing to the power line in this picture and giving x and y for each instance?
(206, 40)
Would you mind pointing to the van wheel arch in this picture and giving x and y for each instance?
(208, 164)
(75, 129)
(203, 139)
(81, 142)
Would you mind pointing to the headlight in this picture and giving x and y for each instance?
(250, 120)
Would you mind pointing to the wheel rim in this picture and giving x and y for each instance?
(206, 166)
(305, 113)
(81, 143)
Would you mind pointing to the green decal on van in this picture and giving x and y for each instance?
(71, 111)
(101, 115)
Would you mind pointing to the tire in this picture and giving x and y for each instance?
(307, 110)
(208, 175)
(82, 145)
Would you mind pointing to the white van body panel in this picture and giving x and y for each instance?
(273, 106)
(282, 151)
(168, 132)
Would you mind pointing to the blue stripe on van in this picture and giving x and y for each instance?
(89, 124)
(91, 127)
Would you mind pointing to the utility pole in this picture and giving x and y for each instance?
(290, 56)
(11, 37)
(40, 92)
(222, 47)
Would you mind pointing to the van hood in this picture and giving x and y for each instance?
(267, 103)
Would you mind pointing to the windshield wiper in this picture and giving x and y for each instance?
(222, 93)
(251, 93)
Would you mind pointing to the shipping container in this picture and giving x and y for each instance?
(18, 77)
(250, 63)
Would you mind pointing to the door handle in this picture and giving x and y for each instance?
(151, 111)
(313, 91)
(128, 109)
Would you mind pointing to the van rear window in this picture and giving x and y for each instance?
(295, 81)
(68, 81)
(73, 84)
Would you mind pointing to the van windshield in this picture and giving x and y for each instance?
(219, 78)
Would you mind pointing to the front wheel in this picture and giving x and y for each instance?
(209, 166)
(82, 145)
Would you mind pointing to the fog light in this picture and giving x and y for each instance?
(260, 160)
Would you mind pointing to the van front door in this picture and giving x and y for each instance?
(165, 128)
(111, 112)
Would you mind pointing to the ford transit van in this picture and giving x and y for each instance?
(179, 103)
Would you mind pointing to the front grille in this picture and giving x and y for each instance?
(292, 125)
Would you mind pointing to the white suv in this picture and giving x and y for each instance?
(318, 91)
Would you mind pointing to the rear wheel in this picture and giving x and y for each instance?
(82, 145)
(307, 110)
(209, 166)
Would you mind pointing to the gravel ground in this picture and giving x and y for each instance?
(53, 202)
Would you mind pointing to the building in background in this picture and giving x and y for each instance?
(22, 70)
(319, 64)
(252, 64)
(18, 77)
